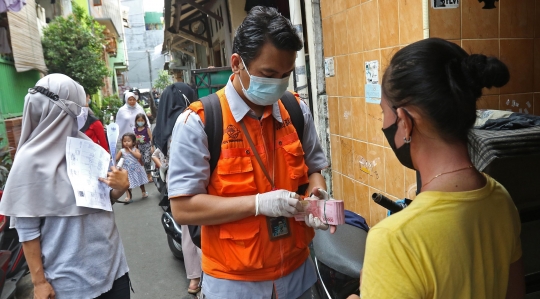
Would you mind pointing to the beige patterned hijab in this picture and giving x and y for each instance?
(38, 183)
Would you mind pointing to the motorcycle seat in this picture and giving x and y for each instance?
(342, 251)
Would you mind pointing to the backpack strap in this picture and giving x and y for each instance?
(213, 127)
(297, 117)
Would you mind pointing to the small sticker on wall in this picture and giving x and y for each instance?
(372, 72)
(329, 67)
(444, 4)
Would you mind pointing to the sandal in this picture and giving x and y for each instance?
(127, 200)
(144, 194)
(194, 291)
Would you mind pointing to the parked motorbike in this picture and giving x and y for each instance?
(172, 229)
(339, 257)
(13, 264)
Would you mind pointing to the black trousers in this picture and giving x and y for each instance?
(120, 289)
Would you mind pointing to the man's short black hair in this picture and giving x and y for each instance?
(264, 24)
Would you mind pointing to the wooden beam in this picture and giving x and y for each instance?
(192, 38)
(204, 10)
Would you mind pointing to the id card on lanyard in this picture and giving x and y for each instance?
(278, 227)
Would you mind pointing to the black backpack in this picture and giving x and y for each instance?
(214, 130)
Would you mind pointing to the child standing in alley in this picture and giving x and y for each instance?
(136, 174)
(144, 138)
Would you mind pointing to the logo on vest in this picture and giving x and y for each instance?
(286, 122)
(232, 131)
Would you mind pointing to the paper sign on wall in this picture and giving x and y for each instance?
(372, 72)
(443, 4)
(329, 67)
(373, 88)
(373, 91)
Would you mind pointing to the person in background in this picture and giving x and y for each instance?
(125, 117)
(161, 162)
(460, 237)
(93, 128)
(251, 247)
(72, 251)
(174, 100)
(136, 173)
(144, 142)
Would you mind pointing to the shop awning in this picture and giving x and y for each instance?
(25, 39)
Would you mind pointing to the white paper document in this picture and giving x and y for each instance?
(86, 162)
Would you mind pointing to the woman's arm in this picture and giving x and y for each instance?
(156, 161)
(149, 134)
(516, 281)
(151, 143)
(32, 253)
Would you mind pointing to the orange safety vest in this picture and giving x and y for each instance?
(242, 250)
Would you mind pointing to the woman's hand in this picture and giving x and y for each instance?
(44, 290)
(117, 179)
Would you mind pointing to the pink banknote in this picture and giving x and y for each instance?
(329, 211)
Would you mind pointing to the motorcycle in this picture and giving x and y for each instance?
(172, 229)
(339, 257)
(13, 266)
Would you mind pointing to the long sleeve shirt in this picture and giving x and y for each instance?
(97, 134)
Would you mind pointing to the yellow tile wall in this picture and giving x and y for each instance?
(510, 32)
(356, 31)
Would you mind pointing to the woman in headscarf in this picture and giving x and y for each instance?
(93, 128)
(174, 100)
(125, 117)
(72, 251)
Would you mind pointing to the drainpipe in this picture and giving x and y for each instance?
(425, 17)
(150, 69)
(317, 80)
(300, 70)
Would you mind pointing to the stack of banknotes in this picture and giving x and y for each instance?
(329, 211)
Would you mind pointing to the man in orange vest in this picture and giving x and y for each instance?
(251, 245)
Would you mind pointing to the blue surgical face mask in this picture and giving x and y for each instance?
(140, 123)
(264, 91)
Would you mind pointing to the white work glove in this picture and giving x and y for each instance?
(313, 221)
(277, 203)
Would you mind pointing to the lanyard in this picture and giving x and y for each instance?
(257, 156)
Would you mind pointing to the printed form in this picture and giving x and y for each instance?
(86, 162)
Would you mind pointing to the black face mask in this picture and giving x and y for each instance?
(404, 152)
